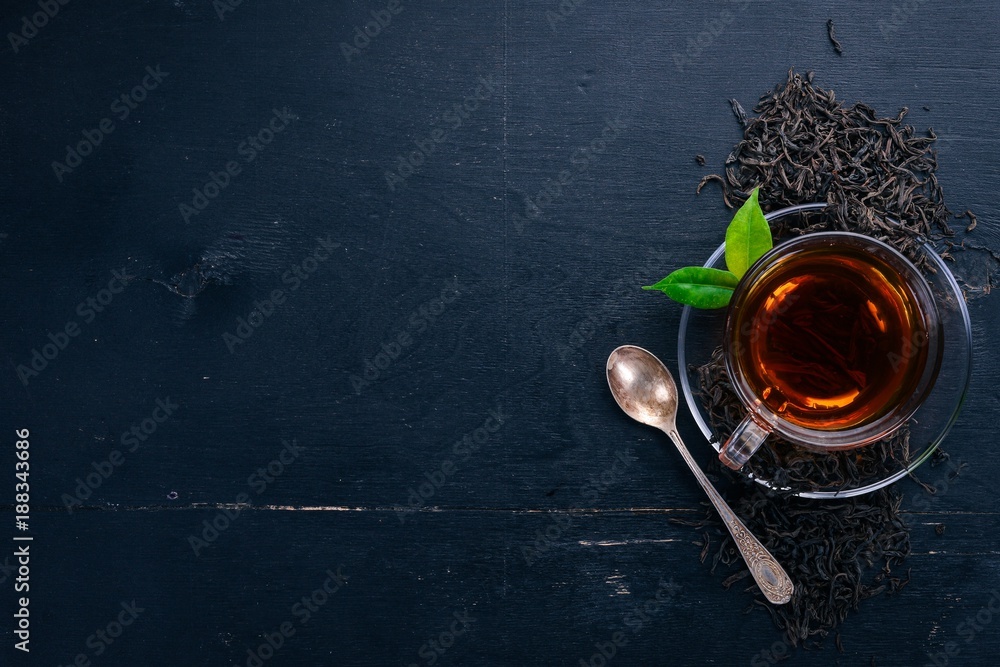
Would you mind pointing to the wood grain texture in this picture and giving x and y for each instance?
(546, 268)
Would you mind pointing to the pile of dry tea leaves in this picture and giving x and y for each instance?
(805, 146)
(878, 176)
(837, 553)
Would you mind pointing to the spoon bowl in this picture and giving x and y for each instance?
(643, 387)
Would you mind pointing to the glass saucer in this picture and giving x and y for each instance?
(701, 332)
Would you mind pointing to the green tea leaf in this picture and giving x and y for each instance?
(698, 286)
(748, 237)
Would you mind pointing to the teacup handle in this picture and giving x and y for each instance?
(744, 441)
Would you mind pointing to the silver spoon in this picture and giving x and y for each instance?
(646, 391)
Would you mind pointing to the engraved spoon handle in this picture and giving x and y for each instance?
(769, 575)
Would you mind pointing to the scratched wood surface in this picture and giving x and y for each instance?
(425, 397)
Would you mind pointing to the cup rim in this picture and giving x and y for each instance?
(864, 433)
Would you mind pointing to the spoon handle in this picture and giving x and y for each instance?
(769, 575)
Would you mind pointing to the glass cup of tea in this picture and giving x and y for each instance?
(832, 341)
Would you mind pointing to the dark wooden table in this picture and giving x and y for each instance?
(441, 226)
